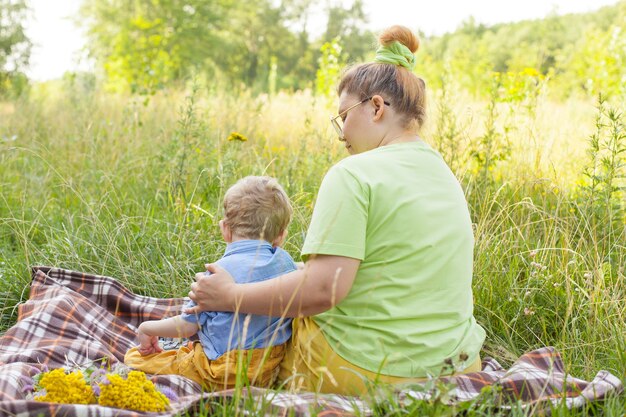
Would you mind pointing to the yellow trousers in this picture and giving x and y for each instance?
(310, 364)
(260, 365)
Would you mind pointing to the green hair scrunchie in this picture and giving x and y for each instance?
(397, 54)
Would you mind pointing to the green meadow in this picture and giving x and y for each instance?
(131, 188)
(122, 172)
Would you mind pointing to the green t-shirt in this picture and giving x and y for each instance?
(400, 210)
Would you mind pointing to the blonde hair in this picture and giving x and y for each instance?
(404, 90)
(257, 208)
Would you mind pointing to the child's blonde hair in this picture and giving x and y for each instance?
(257, 208)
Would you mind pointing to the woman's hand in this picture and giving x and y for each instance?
(214, 292)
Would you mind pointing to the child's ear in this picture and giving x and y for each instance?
(280, 239)
(227, 234)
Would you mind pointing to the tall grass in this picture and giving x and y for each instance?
(130, 188)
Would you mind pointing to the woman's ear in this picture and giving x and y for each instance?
(379, 106)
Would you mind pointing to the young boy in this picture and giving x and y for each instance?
(256, 215)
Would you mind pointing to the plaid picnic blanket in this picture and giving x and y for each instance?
(73, 318)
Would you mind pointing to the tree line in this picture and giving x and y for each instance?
(141, 46)
(145, 45)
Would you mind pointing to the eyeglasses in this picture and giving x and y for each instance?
(337, 121)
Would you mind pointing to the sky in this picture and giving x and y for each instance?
(59, 45)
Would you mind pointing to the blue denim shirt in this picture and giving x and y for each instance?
(247, 261)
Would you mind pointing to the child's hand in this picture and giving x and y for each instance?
(148, 344)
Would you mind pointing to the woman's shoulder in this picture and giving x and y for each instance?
(348, 168)
(381, 159)
(356, 162)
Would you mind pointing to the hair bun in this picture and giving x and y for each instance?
(402, 34)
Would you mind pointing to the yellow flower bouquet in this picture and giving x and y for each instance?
(110, 388)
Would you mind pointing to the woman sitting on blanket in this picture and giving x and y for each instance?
(386, 291)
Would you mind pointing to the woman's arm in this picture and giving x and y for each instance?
(322, 284)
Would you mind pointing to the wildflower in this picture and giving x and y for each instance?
(530, 72)
(97, 376)
(135, 392)
(532, 254)
(28, 383)
(116, 388)
(237, 136)
(587, 275)
(65, 388)
(529, 311)
(168, 392)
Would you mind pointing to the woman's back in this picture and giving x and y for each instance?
(401, 211)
